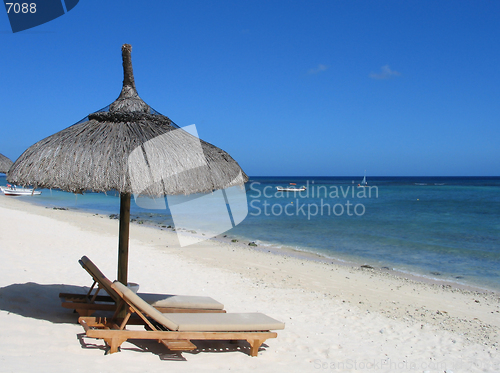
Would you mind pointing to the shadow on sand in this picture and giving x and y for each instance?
(39, 301)
(42, 302)
(151, 346)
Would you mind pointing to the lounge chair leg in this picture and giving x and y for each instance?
(114, 344)
(254, 346)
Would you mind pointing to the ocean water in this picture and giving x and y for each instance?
(440, 227)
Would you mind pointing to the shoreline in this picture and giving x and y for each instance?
(450, 262)
(361, 264)
(284, 250)
(332, 313)
(278, 253)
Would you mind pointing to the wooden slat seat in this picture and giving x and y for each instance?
(178, 345)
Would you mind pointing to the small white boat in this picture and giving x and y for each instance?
(19, 191)
(363, 182)
(291, 189)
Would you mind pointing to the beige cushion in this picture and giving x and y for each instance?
(181, 301)
(156, 300)
(202, 322)
(224, 322)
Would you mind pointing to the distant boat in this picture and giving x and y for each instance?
(19, 191)
(291, 189)
(363, 182)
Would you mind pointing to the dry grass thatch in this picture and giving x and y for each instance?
(5, 164)
(129, 150)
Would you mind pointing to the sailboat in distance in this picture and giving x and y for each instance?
(363, 182)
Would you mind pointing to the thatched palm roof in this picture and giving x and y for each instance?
(5, 164)
(129, 148)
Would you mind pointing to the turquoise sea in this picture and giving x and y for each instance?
(440, 227)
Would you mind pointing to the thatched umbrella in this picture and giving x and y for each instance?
(130, 148)
(5, 164)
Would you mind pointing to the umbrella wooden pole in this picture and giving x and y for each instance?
(123, 238)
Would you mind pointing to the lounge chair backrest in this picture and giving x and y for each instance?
(144, 307)
(98, 276)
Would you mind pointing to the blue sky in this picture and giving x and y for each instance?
(299, 88)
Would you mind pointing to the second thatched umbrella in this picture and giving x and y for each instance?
(130, 148)
(5, 164)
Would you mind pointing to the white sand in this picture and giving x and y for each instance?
(337, 318)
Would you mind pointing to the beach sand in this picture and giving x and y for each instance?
(338, 318)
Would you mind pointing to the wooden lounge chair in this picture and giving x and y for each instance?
(176, 330)
(87, 304)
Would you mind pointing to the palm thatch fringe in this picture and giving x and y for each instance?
(98, 155)
(5, 164)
